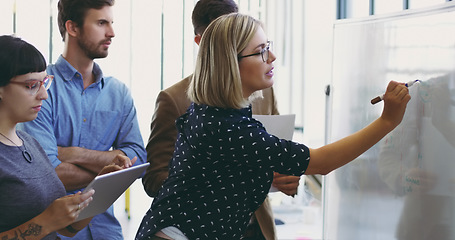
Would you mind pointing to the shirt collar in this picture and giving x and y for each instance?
(243, 111)
(248, 111)
(68, 71)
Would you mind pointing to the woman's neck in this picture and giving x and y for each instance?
(9, 136)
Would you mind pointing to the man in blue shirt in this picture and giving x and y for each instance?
(88, 119)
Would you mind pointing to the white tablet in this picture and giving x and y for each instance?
(281, 126)
(108, 187)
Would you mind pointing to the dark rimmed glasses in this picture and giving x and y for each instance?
(33, 86)
(264, 52)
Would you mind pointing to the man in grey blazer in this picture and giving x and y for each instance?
(173, 102)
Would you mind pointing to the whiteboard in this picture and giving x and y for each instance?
(403, 187)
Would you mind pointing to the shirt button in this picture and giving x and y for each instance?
(85, 120)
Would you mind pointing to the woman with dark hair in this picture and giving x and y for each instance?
(33, 204)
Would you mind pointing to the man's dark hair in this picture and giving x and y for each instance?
(76, 10)
(205, 11)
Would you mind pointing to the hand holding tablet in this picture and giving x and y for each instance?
(108, 188)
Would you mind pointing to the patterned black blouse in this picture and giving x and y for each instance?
(220, 173)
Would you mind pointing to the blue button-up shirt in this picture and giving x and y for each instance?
(100, 117)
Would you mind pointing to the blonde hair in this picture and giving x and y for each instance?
(216, 80)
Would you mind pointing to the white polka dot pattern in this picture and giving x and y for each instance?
(220, 174)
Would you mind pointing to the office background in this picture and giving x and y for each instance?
(154, 49)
